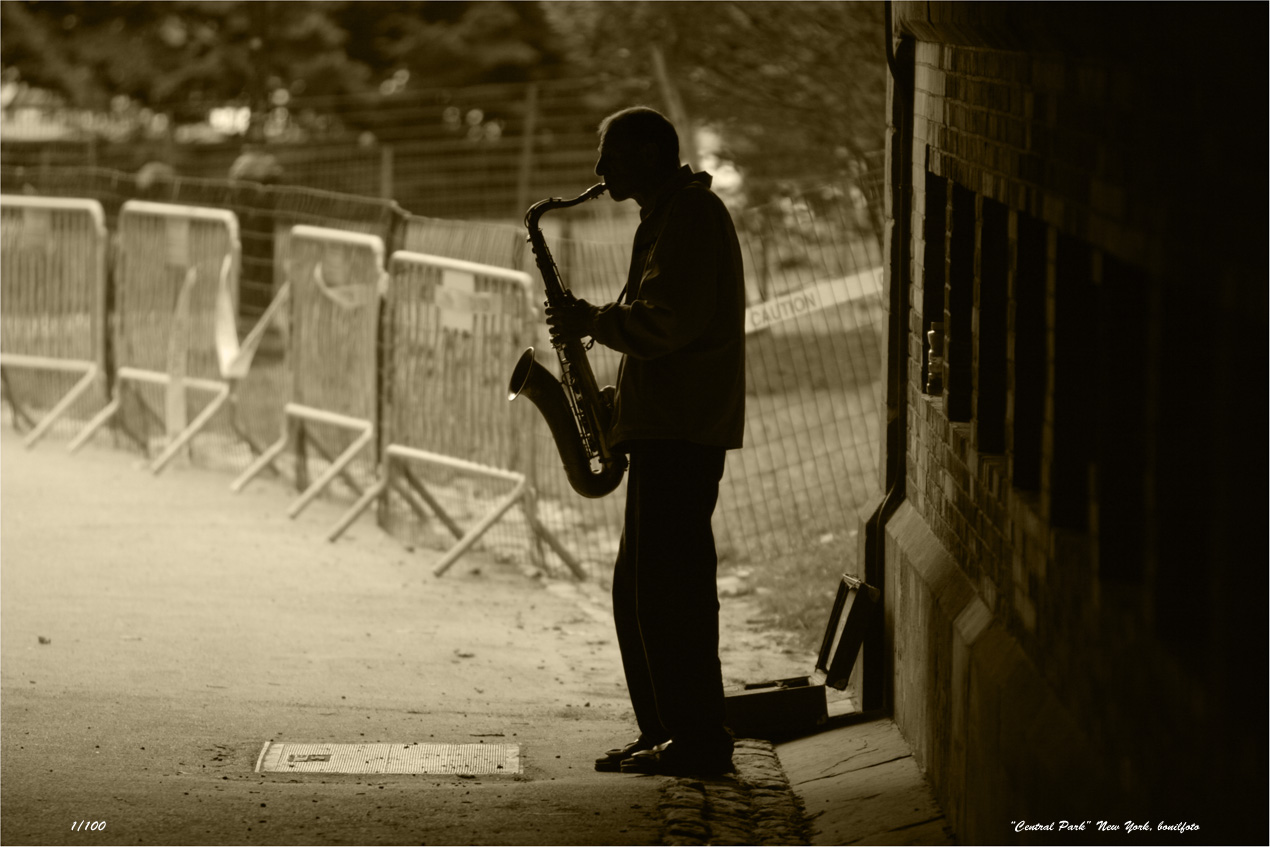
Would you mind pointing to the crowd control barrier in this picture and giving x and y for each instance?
(174, 268)
(53, 288)
(452, 331)
(335, 282)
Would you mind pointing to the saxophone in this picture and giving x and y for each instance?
(576, 412)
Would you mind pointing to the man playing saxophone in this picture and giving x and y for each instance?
(679, 407)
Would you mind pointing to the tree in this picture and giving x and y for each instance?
(187, 57)
(181, 57)
(795, 90)
(449, 43)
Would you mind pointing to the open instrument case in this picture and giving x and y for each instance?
(783, 707)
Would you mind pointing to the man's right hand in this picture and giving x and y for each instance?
(571, 321)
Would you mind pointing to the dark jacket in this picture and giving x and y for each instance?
(681, 325)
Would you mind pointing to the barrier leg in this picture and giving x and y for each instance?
(140, 440)
(265, 460)
(85, 382)
(183, 438)
(348, 478)
(330, 473)
(20, 416)
(252, 446)
(416, 505)
(95, 424)
(477, 531)
(372, 494)
(155, 418)
(426, 496)
(555, 544)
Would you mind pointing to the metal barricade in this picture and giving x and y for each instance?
(452, 331)
(53, 288)
(175, 268)
(335, 281)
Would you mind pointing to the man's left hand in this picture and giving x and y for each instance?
(571, 321)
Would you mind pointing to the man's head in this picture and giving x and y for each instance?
(639, 150)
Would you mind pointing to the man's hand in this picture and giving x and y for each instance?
(571, 321)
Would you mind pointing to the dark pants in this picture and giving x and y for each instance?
(665, 598)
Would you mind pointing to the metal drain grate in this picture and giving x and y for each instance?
(463, 759)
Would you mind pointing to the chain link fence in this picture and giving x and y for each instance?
(476, 152)
(815, 324)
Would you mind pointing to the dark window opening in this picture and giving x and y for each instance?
(1075, 328)
(1183, 466)
(960, 299)
(1029, 351)
(1122, 385)
(990, 372)
(935, 232)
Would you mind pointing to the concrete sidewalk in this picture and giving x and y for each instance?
(156, 632)
(859, 784)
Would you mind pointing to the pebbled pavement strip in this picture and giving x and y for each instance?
(754, 805)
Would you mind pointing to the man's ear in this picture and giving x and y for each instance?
(653, 162)
(650, 156)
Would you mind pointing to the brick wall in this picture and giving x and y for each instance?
(1081, 228)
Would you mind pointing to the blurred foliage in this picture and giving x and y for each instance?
(795, 90)
(186, 57)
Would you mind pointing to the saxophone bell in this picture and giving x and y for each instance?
(533, 381)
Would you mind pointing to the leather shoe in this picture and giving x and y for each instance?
(671, 759)
(611, 761)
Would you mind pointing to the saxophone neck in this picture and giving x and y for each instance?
(538, 209)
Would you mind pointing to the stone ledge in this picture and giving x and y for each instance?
(859, 784)
(755, 805)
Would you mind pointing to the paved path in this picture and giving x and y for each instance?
(155, 632)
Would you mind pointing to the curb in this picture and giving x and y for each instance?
(755, 805)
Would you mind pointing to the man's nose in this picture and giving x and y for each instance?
(600, 166)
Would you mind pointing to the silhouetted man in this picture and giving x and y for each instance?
(679, 406)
